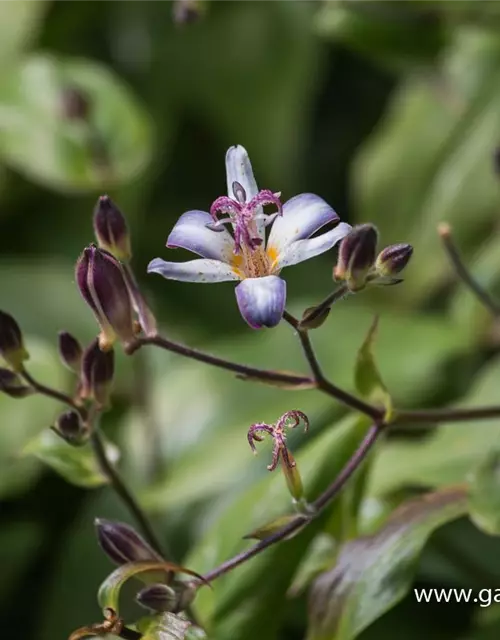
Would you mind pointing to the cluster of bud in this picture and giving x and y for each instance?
(359, 264)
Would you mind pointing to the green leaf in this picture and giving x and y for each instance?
(22, 419)
(77, 465)
(448, 119)
(367, 378)
(249, 601)
(484, 494)
(67, 153)
(373, 573)
(109, 591)
(399, 36)
(19, 22)
(166, 626)
(449, 453)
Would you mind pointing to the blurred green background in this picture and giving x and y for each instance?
(388, 110)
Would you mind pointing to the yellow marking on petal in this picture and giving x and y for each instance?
(236, 260)
(272, 253)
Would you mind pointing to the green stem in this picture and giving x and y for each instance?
(463, 272)
(325, 304)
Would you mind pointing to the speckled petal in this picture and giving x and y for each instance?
(304, 249)
(261, 301)
(302, 216)
(190, 232)
(239, 169)
(194, 270)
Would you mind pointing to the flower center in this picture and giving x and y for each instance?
(249, 251)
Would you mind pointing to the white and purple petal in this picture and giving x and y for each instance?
(261, 300)
(302, 216)
(205, 270)
(190, 232)
(239, 169)
(301, 250)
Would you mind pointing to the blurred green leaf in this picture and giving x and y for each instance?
(449, 453)
(367, 378)
(37, 138)
(431, 160)
(484, 494)
(249, 601)
(77, 465)
(18, 25)
(166, 626)
(23, 418)
(399, 36)
(373, 573)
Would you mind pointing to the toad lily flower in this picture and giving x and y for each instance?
(240, 251)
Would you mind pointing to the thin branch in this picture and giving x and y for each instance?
(322, 382)
(325, 304)
(319, 505)
(241, 369)
(445, 415)
(122, 490)
(53, 393)
(463, 272)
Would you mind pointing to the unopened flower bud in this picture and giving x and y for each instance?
(11, 342)
(186, 11)
(12, 385)
(97, 373)
(75, 104)
(356, 256)
(161, 597)
(110, 229)
(70, 351)
(102, 284)
(314, 317)
(121, 543)
(393, 259)
(70, 426)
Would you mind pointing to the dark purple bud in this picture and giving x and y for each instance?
(11, 342)
(12, 385)
(186, 11)
(356, 256)
(70, 351)
(70, 426)
(161, 597)
(393, 259)
(110, 229)
(97, 373)
(102, 284)
(121, 543)
(75, 105)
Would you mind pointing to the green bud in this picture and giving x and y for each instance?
(11, 342)
(393, 259)
(357, 253)
(292, 475)
(12, 385)
(314, 317)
